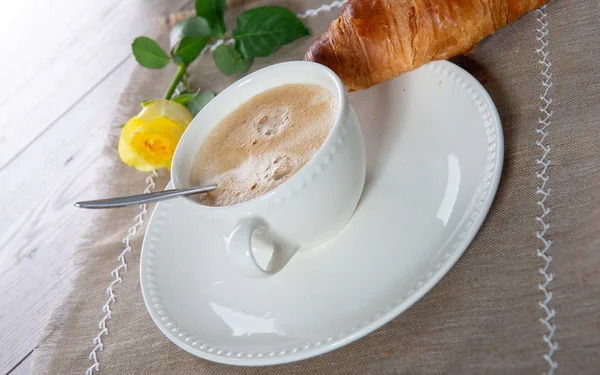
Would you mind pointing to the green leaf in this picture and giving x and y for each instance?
(183, 99)
(230, 61)
(148, 53)
(213, 11)
(145, 103)
(189, 49)
(260, 31)
(199, 101)
(194, 27)
(121, 126)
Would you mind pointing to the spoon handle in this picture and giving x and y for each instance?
(144, 198)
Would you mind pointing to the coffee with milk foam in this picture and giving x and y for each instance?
(263, 142)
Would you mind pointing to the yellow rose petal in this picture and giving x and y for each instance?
(157, 141)
(148, 140)
(126, 152)
(165, 108)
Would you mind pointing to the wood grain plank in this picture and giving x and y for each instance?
(56, 51)
(23, 368)
(39, 225)
(61, 54)
(56, 102)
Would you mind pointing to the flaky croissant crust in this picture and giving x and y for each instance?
(376, 40)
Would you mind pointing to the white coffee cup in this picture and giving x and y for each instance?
(308, 209)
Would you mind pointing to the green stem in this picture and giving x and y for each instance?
(175, 81)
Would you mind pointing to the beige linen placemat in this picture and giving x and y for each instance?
(523, 299)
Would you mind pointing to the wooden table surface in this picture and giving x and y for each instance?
(63, 66)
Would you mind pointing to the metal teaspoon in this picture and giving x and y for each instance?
(144, 198)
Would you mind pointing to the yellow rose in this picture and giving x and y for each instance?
(148, 140)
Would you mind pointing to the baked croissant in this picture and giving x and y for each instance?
(376, 40)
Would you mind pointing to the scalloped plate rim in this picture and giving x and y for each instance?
(384, 318)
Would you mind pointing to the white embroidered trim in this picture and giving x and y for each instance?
(543, 191)
(322, 8)
(139, 221)
(306, 14)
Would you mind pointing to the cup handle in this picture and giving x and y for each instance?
(239, 249)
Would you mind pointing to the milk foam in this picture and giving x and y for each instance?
(263, 143)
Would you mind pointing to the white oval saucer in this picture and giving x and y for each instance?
(435, 150)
